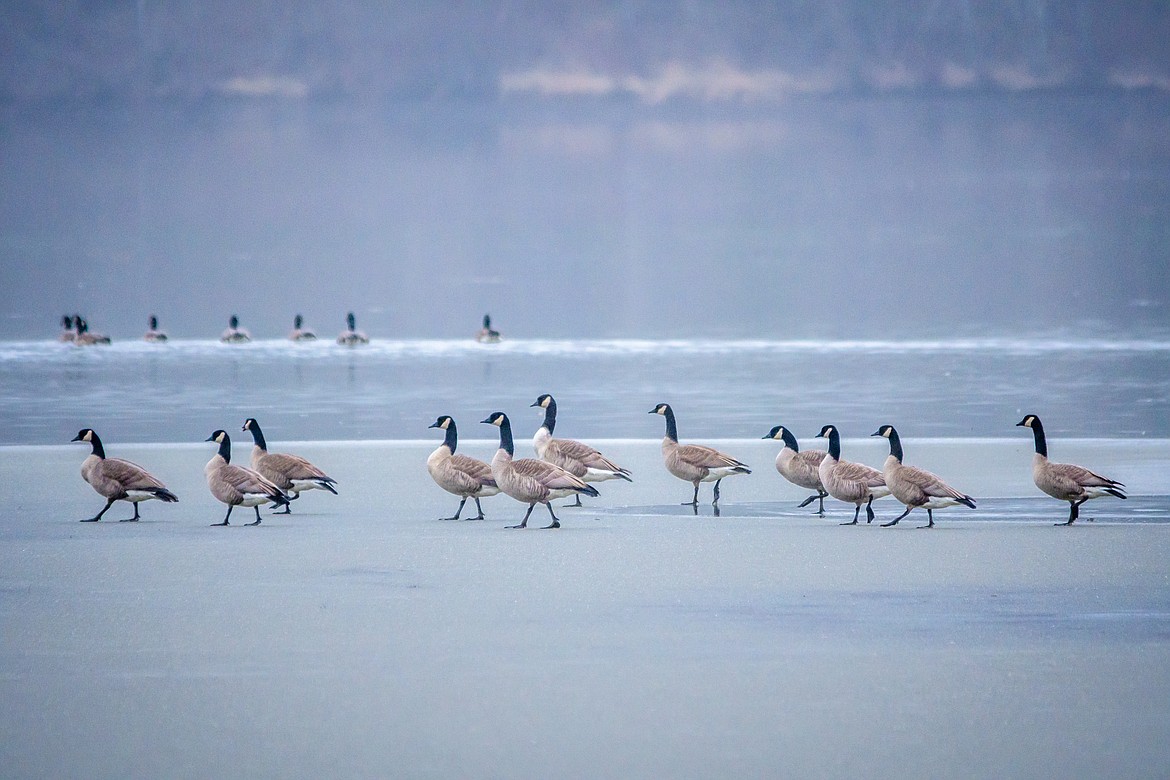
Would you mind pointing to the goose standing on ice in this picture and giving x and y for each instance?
(913, 486)
(486, 335)
(531, 481)
(290, 473)
(351, 336)
(695, 463)
(800, 468)
(464, 476)
(154, 334)
(236, 485)
(235, 334)
(299, 333)
(118, 480)
(1065, 481)
(578, 459)
(853, 483)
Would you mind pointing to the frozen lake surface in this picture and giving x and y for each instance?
(361, 637)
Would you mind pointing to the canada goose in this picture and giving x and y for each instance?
(236, 485)
(154, 334)
(84, 337)
(531, 481)
(695, 463)
(67, 334)
(235, 334)
(290, 473)
(578, 459)
(299, 333)
(351, 337)
(913, 486)
(118, 480)
(800, 468)
(465, 477)
(853, 483)
(1065, 481)
(486, 335)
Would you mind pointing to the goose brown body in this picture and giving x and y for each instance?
(916, 488)
(459, 474)
(1066, 481)
(117, 479)
(853, 483)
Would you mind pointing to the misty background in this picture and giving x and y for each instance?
(625, 169)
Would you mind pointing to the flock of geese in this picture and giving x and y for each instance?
(566, 467)
(75, 330)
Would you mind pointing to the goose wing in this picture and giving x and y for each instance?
(293, 466)
(930, 485)
(129, 475)
(1079, 475)
(707, 457)
(477, 473)
(806, 467)
(244, 481)
(583, 454)
(859, 472)
(547, 474)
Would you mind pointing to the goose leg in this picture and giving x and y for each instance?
(287, 506)
(716, 500)
(477, 506)
(225, 517)
(806, 502)
(98, 516)
(555, 523)
(578, 503)
(457, 511)
(869, 511)
(257, 508)
(821, 501)
(695, 500)
(524, 522)
(930, 515)
(909, 509)
(856, 512)
(1073, 513)
(132, 519)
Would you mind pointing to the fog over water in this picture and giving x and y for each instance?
(714, 172)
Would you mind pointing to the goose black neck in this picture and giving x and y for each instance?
(258, 436)
(789, 440)
(671, 428)
(1038, 434)
(895, 445)
(225, 449)
(452, 438)
(834, 445)
(506, 436)
(550, 415)
(351, 322)
(153, 322)
(98, 449)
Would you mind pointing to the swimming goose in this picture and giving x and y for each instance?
(290, 473)
(465, 477)
(154, 334)
(486, 335)
(800, 468)
(853, 483)
(235, 334)
(299, 333)
(236, 485)
(67, 334)
(913, 486)
(118, 480)
(1065, 481)
(578, 459)
(84, 337)
(695, 463)
(351, 337)
(531, 481)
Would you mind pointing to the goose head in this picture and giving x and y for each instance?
(444, 422)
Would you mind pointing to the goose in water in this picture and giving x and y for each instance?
(300, 333)
(853, 483)
(915, 487)
(800, 468)
(84, 337)
(67, 334)
(236, 485)
(531, 481)
(351, 336)
(464, 476)
(695, 463)
(290, 473)
(118, 480)
(235, 334)
(154, 334)
(578, 459)
(486, 335)
(1065, 481)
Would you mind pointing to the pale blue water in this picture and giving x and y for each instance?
(181, 391)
